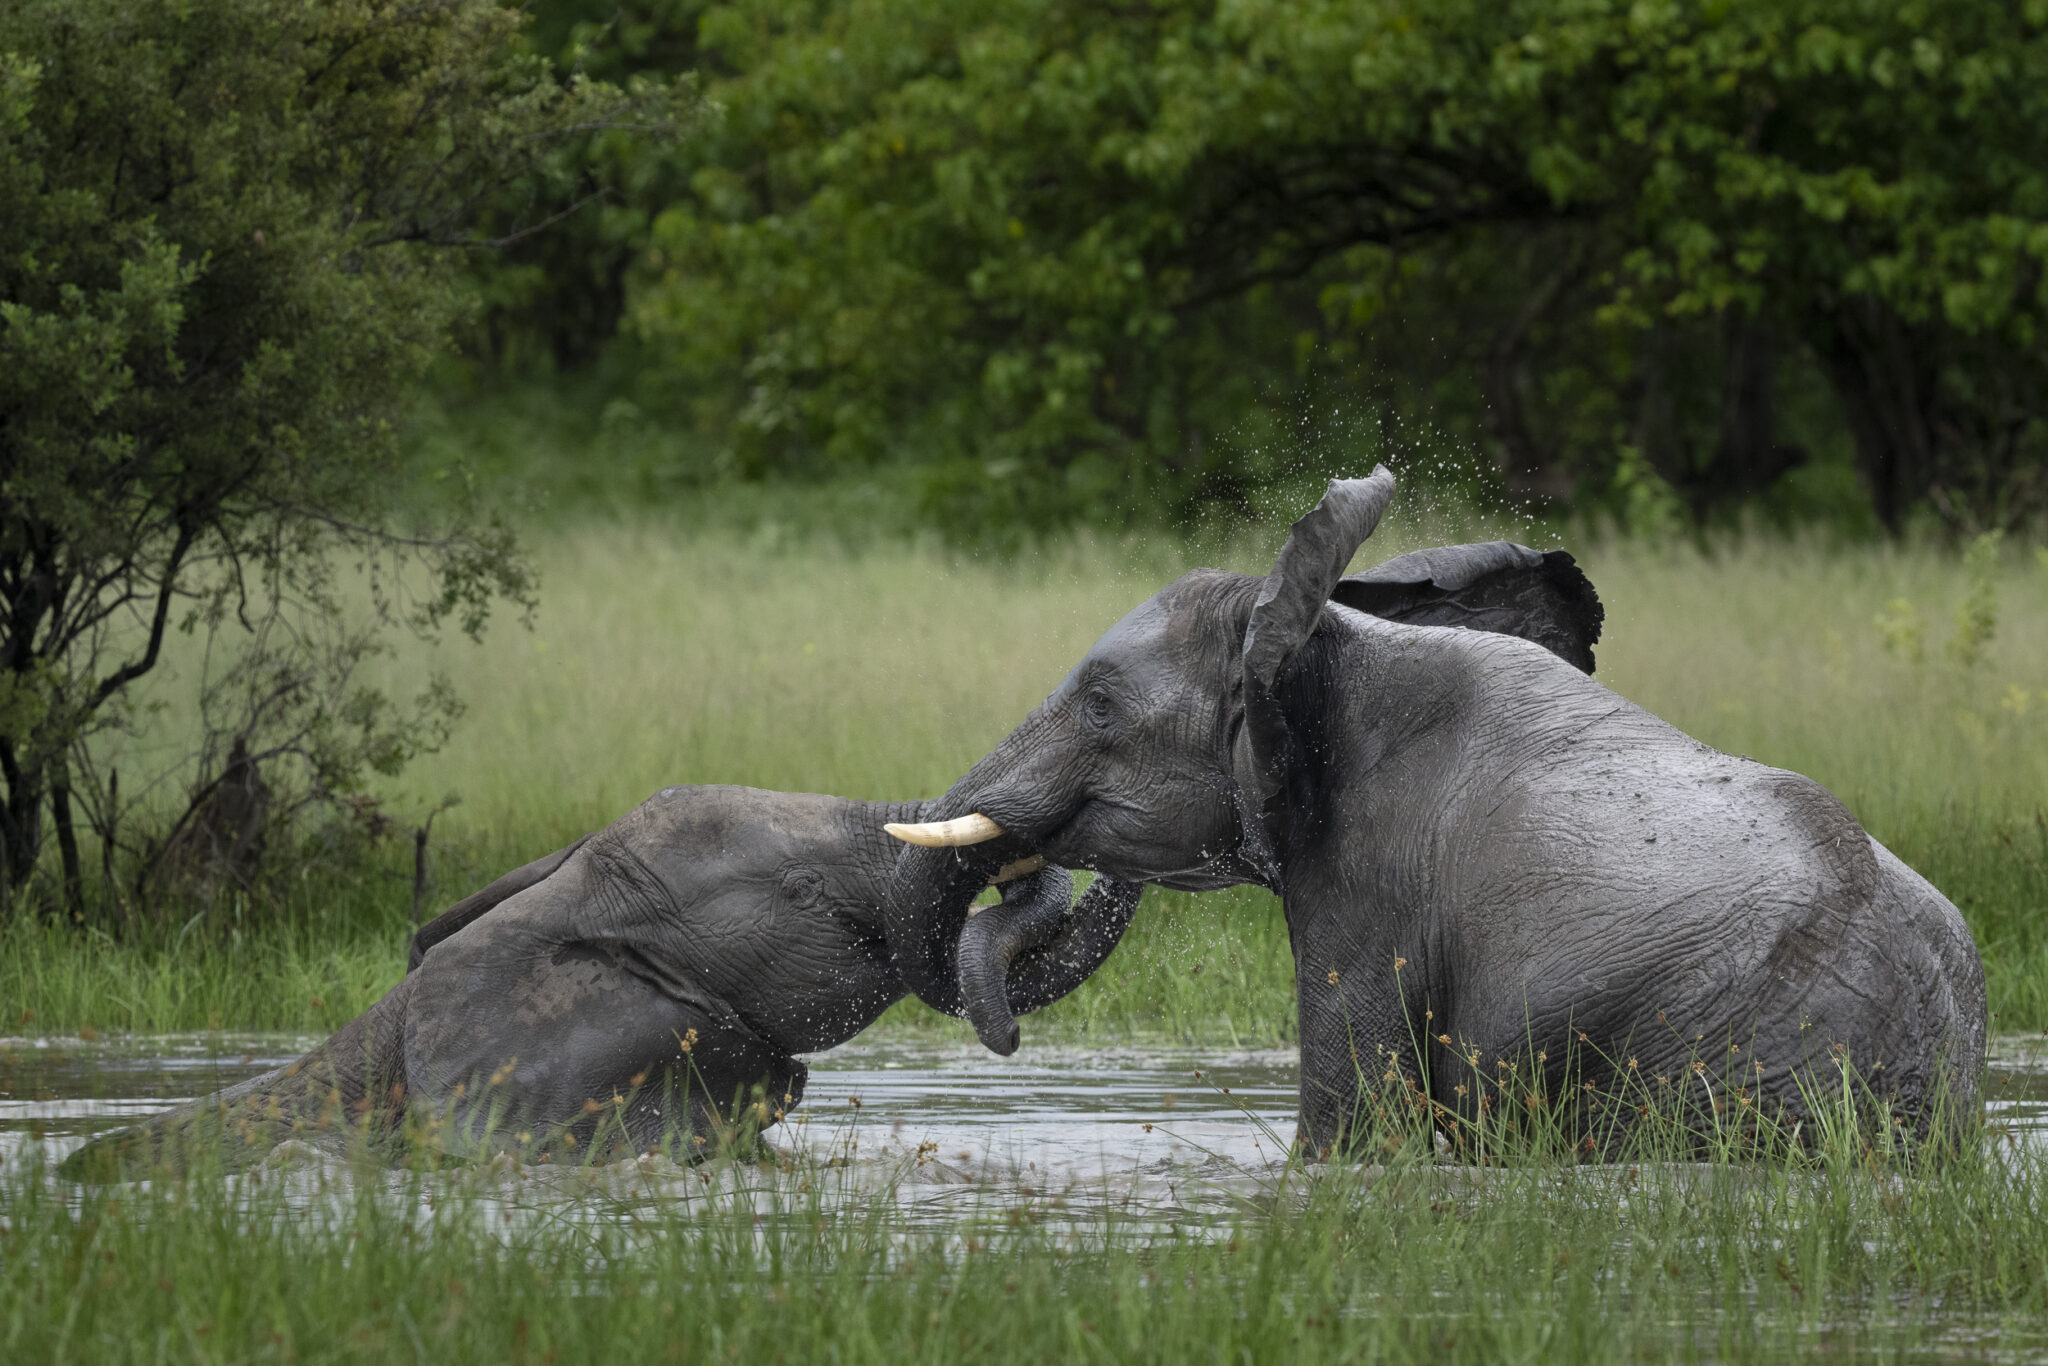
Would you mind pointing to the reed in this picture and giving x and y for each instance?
(1831, 1252)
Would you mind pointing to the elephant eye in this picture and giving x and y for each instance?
(1098, 707)
(802, 887)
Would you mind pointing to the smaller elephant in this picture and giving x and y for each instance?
(649, 986)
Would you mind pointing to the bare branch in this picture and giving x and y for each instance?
(135, 669)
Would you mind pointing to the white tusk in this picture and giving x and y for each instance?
(947, 834)
(1010, 872)
(1023, 867)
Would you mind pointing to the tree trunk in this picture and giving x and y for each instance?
(1522, 460)
(1656, 431)
(1884, 375)
(1749, 458)
(1529, 466)
(419, 871)
(113, 911)
(67, 841)
(21, 834)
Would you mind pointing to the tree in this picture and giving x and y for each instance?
(230, 235)
(557, 297)
(1081, 256)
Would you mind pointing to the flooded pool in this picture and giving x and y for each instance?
(1159, 1134)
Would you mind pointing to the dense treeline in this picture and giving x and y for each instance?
(1076, 260)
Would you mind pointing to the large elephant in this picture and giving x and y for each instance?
(643, 987)
(1487, 859)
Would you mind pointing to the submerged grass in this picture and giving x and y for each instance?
(664, 653)
(1830, 1254)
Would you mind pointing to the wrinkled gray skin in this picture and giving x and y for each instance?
(644, 985)
(1540, 596)
(1473, 841)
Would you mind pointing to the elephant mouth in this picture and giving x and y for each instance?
(985, 850)
(978, 842)
(1212, 876)
(944, 865)
(981, 843)
(1103, 823)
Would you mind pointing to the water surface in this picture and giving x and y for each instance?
(1161, 1134)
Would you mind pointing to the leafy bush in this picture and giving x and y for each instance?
(230, 235)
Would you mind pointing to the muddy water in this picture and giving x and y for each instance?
(1157, 1134)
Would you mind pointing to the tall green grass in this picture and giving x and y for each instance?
(664, 653)
(1831, 1257)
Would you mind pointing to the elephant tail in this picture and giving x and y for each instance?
(350, 1086)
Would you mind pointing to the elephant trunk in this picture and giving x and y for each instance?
(1030, 915)
(1030, 951)
(992, 818)
(924, 914)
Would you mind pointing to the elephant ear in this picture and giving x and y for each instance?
(1283, 617)
(1541, 596)
(476, 905)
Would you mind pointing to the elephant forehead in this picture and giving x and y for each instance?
(1147, 637)
(744, 822)
(1145, 627)
(1191, 626)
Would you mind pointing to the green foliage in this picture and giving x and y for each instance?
(322, 961)
(1903, 632)
(1977, 613)
(554, 299)
(230, 236)
(1648, 506)
(1099, 262)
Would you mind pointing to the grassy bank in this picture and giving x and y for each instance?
(1834, 1260)
(663, 653)
(1203, 969)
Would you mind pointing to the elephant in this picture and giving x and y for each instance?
(648, 986)
(1497, 586)
(1490, 864)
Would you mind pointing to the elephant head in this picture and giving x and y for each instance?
(1165, 756)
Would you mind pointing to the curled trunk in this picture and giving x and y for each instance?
(1021, 791)
(1029, 951)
